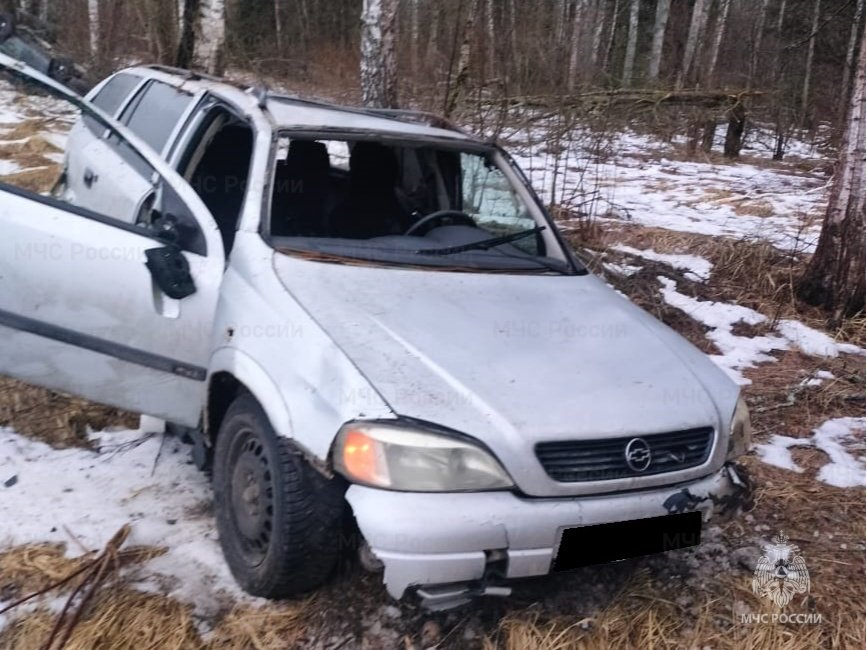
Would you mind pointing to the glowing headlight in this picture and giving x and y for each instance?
(741, 434)
(399, 458)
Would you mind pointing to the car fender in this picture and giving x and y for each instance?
(253, 376)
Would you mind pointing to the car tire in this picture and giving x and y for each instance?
(7, 26)
(61, 69)
(279, 520)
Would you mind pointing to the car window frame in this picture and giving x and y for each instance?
(133, 145)
(139, 94)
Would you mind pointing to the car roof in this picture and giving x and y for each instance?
(298, 113)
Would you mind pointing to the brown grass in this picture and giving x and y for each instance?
(39, 180)
(55, 418)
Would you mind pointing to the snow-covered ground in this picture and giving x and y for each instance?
(81, 498)
(639, 178)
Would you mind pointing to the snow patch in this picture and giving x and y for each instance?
(141, 479)
(697, 268)
(835, 438)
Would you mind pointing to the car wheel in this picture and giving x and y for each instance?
(279, 520)
(61, 69)
(7, 26)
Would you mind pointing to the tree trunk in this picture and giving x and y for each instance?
(492, 39)
(93, 26)
(631, 41)
(414, 37)
(808, 65)
(719, 34)
(850, 57)
(696, 28)
(735, 130)
(834, 278)
(278, 28)
(378, 62)
(187, 12)
(462, 77)
(599, 20)
(612, 34)
(578, 20)
(210, 36)
(663, 8)
(758, 35)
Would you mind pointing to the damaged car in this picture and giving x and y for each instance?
(372, 332)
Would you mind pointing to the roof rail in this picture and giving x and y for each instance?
(401, 114)
(193, 75)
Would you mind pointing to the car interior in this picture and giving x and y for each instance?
(365, 189)
(217, 166)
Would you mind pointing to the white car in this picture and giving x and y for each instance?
(373, 333)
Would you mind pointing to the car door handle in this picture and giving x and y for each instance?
(89, 177)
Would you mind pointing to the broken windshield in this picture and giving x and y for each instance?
(408, 203)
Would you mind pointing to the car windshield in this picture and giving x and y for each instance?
(408, 204)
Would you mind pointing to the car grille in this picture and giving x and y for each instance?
(602, 460)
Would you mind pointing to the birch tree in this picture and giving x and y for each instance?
(696, 29)
(210, 36)
(93, 26)
(456, 89)
(578, 19)
(758, 35)
(808, 65)
(850, 56)
(378, 57)
(631, 41)
(834, 278)
(663, 9)
(719, 34)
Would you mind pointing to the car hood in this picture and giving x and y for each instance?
(511, 360)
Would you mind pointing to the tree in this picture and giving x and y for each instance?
(378, 58)
(455, 91)
(696, 30)
(808, 65)
(719, 33)
(210, 36)
(93, 26)
(663, 8)
(850, 56)
(834, 279)
(631, 41)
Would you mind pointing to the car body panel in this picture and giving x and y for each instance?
(514, 360)
(80, 279)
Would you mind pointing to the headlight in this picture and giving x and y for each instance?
(414, 460)
(741, 434)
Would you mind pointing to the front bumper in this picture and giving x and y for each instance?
(438, 539)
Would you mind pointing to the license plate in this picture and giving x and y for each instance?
(603, 543)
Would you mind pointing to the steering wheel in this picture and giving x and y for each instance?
(440, 215)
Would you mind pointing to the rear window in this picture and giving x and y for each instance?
(115, 91)
(156, 112)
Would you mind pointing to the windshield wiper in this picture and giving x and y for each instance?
(483, 244)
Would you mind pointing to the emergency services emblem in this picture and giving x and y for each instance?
(781, 572)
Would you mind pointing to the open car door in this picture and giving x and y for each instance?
(116, 308)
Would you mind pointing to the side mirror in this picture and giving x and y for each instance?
(170, 271)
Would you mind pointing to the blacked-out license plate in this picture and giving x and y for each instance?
(624, 539)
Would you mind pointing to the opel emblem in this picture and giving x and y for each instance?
(637, 455)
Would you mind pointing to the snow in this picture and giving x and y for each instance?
(843, 470)
(835, 438)
(697, 268)
(611, 176)
(776, 452)
(741, 352)
(91, 494)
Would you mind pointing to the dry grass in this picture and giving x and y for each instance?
(57, 419)
(39, 180)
